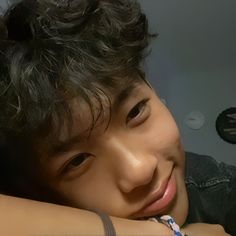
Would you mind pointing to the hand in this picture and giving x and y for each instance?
(202, 229)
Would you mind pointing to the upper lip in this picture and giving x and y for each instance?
(157, 193)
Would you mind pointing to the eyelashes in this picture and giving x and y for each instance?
(79, 159)
(138, 113)
(78, 163)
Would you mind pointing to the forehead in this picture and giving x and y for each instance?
(87, 115)
(91, 116)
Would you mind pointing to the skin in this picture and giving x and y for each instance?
(119, 165)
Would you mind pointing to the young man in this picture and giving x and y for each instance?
(80, 125)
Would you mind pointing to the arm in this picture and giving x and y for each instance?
(22, 217)
(202, 229)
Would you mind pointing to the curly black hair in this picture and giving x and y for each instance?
(54, 50)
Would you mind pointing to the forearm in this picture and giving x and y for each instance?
(22, 217)
(196, 229)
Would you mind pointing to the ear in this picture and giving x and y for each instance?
(163, 101)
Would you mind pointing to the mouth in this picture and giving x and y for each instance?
(161, 199)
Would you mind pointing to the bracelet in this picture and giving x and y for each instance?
(169, 221)
(107, 223)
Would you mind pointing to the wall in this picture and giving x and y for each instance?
(3, 5)
(193, 65)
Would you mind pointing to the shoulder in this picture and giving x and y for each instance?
(211, 187)
(205, 171)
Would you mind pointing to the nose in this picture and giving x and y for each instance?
(133, 165)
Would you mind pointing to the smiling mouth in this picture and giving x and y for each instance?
(161, 199)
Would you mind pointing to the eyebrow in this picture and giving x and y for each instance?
(123, 95)
(64, 146)
(120, 99)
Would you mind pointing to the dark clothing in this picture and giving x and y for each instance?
(211, 189)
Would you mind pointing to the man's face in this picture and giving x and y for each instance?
(131, 168)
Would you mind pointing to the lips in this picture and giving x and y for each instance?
(161, 199)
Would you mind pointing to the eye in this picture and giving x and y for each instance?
(138, 112)
(78, 161)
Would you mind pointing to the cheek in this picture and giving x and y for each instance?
(164, 136)
(163, 129)
(91, 190)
